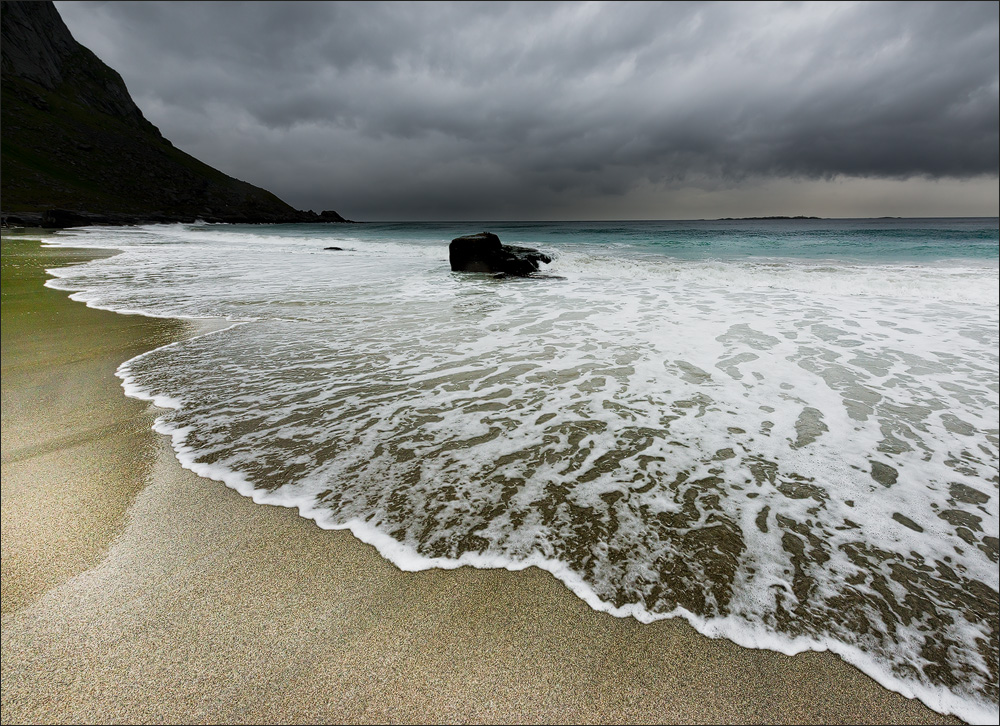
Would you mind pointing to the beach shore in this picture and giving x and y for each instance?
(135, 591)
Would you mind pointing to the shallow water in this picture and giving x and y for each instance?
(786, 432)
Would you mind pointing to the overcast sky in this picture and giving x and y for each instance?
(501, 111)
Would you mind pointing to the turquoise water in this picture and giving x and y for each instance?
(848, 240)
(785, 432)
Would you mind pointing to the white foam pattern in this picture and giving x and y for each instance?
(791, 454)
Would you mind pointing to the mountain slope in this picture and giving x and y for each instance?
(76, 149)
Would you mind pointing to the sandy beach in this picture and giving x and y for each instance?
(135, 591)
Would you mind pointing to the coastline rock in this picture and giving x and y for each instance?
(483, 252)
(78, 151)
(62, 218)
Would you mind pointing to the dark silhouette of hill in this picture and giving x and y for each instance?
(77, 150)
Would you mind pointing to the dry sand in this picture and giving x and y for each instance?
(135, 591)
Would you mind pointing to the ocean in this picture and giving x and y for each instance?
(784, 431)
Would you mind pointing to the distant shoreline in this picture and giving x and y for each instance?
(64, 218)
(744, 219)
(55, 219)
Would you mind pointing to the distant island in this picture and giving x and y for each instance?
(78, 151)
(744, 219)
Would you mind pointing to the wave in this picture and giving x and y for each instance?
(792, 455)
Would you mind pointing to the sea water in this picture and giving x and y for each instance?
(784, 431)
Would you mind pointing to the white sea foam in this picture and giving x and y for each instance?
(789, 454)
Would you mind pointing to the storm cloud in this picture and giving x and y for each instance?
(543, 110)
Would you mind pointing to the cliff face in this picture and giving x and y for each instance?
(77, 150)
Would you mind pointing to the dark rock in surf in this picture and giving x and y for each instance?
(483, 252)
(334, 249)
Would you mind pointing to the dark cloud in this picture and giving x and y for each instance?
(437, 110)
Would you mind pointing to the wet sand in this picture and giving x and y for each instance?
(135, 591)
(75, 450)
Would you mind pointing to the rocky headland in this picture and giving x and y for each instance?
(76, 150)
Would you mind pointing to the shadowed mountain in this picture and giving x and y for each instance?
(77, 150)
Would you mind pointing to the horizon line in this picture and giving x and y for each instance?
(771, 218)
